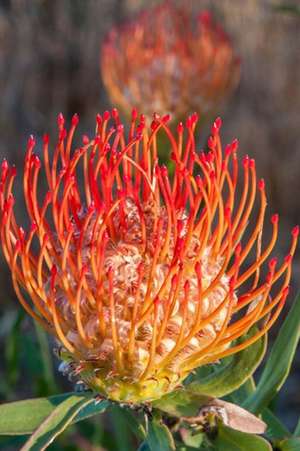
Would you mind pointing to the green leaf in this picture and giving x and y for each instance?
(23, 417)
(275, 430)
(134, 423)
(59, 419)
(159, 437)
(291, 444)
(228, 439)
(245, 390)
(279, 362)
(297, 429)
(121, 432)
(233, 374)
(182, 403)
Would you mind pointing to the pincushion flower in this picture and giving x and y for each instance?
(163, 62)
(143, 276)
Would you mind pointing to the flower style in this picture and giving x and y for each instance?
(161, 62)
(140, 275)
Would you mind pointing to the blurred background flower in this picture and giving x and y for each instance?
(168, 60)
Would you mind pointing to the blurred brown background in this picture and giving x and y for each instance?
(49, 62)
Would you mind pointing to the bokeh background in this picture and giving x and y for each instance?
(49, 62)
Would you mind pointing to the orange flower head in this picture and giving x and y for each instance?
(143, 276)
(164, 62)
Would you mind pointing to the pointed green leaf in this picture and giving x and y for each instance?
(23, 417)
(291, 444)
(235, 372)
(275, 429)
(59, 419)
(159, 437)
(279, 362)
(121, 431)
(228, 439)
(133, 422)
(297, 429)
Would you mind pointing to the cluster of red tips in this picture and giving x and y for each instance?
(185, 237)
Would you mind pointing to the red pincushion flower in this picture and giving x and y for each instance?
(143, 276)
(164, 62)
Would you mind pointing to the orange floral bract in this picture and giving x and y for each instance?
(142, 275)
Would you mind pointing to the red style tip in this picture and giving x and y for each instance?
(205, 18)
(97, 140)
(288, 258)
(199, 181)
(164, 170)
(166, 118)
(99, 120)
(252, 163)
(85, 140)
(212, 175)
(134, 114)
(60, 120)
(4, 165)
(21, 233)
(115, 113)
(295, 231)
(106, 115)
(261, 184)
(194, 117)
(13, 171)
(275, 218)
(246, 161)
(238, 250)
(46, 138)
(36, 161)
(33, 227)
(180, 128)
(216, 126)
(234, 145)
(285, 292)
(31, 142)
(75, 120)
(272, 263)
